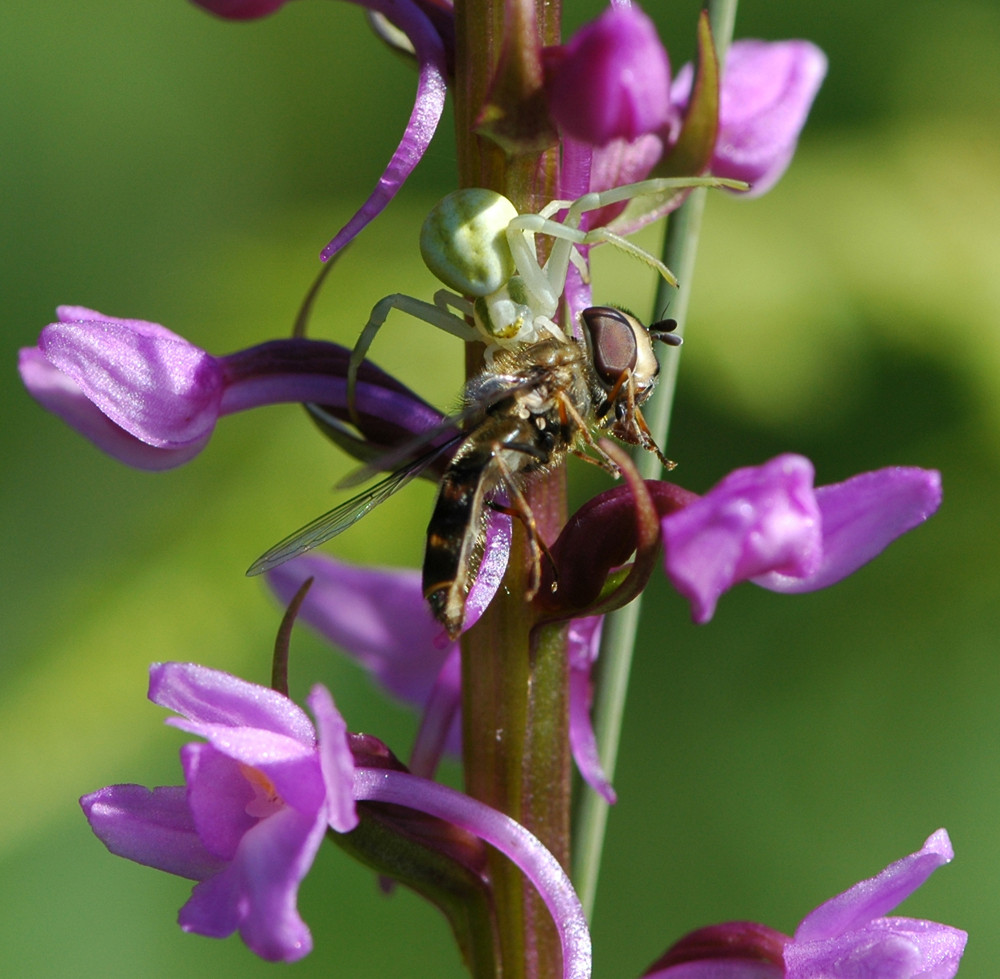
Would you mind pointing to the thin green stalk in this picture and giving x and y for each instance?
(679, 251)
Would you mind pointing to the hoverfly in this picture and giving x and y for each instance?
(522, 415)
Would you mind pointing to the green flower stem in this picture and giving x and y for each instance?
(514, 685)
(618, 642)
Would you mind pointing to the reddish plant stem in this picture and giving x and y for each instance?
(515, 734)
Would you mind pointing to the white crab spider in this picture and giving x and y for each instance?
(478, 245)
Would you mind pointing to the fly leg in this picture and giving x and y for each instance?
(522, 510)
(568, 413)
(528, 521)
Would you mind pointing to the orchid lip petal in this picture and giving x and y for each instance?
(861, 517)
(150, 826)
(423, 121)
(257, 891)
(758, 519)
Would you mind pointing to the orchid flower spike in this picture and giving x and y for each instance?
(848, 937)
(151, 399)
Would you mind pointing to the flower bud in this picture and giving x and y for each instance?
(611, 80)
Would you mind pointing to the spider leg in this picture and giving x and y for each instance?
(428, 312)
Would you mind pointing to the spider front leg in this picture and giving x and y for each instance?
(552, 277)
(433, 313)
(568, 235)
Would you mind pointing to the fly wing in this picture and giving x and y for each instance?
(482, 393)
(337, 520)
(407, 450)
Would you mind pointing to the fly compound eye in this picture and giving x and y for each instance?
(613, 343)
(463, 241)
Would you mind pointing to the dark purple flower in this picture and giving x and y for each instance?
(151, 399)
(767, 90)
(259, 797)
(848, 937)
(611, 80)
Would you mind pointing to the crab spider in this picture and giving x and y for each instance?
(478, 245)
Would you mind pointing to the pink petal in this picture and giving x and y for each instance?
(427, 109)
(760, 519)
(860, 518)
(212, 697)
(258, 891)
(336, 761)
(153, 827)
(874, 897)
(151, 383)
(611, 80)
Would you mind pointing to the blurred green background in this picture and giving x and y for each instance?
(161, 164)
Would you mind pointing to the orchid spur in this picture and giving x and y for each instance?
(261, 794)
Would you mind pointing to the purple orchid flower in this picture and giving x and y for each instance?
(432, 58)
(768, 525)
(765, 524)
(608, 87)
(151, 399)
(767, 90)
(379, 617)
(848, 937)
(259, 797)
